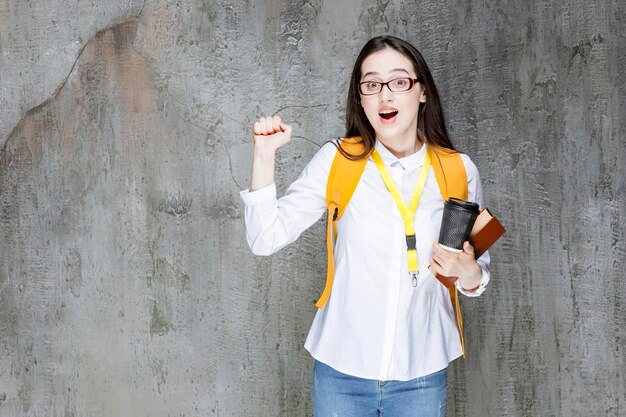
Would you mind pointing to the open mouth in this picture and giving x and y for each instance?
(388, 115)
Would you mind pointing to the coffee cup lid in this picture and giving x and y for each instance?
(462, 204)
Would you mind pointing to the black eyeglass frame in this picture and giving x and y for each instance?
(412, 82)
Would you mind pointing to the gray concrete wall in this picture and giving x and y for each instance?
(126, 285)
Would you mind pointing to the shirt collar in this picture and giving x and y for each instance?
(408, 163)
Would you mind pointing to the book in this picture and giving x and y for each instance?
(485, 232)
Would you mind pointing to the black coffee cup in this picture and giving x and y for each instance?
(457, 222)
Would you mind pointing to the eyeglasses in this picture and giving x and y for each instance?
(397, 85)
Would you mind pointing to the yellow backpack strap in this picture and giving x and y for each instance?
(452, 180)
(450, 173)
(342, 181)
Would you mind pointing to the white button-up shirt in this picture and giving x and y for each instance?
(376, 325)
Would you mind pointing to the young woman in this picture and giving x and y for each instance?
(383, 341)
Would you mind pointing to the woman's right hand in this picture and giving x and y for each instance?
(270, 133)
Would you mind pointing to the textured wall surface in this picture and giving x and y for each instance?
(40, 41)
(126, 284)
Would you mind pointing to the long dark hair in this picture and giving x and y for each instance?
(431, 124)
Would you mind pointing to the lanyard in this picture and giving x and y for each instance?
(408, 214)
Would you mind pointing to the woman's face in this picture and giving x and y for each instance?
(392, 115)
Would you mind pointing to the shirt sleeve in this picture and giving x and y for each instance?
(271, 223)
(475, 194)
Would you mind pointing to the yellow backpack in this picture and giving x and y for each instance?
(342, 181)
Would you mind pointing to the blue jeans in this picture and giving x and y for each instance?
(339, 395)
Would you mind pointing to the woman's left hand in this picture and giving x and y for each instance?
(462, 265)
